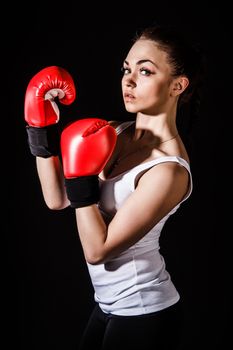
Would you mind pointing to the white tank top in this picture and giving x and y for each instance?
(136, 281)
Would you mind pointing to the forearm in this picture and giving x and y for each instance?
(52, 182)
(92, 232)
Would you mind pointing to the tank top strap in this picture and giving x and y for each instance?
(120, 128)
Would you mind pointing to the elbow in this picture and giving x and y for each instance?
(102, 255)
(56, 205)
(95, 259)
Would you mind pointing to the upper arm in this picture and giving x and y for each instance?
(158, 191)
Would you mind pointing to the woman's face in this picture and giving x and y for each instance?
(146, 83)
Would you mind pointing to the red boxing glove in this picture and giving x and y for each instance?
(39, 108)
(41, 111)
(86, 146)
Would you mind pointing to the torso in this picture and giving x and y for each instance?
(136, 281)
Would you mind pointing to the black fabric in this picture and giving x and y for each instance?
(44, 142)
(83, 191)
(160, 330)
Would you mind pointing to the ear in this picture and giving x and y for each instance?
(179, 85)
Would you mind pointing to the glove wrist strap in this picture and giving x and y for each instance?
(82, 191)
(44, 142)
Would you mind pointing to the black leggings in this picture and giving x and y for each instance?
(158, 330)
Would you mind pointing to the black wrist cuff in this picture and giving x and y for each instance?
(44, 142)
(82, 191)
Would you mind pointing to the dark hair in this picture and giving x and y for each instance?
(185, 59)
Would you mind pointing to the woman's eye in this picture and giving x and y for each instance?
(145, 71)
(125, 70)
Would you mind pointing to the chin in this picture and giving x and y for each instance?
(131, 109)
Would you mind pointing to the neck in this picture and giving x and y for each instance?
(161, 127)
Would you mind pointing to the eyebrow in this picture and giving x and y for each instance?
(143, 61)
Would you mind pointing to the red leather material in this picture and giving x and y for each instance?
(86, 146)
(51, 81)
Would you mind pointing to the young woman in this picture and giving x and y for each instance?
(144, 181)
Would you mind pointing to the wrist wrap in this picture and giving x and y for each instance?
(44, 142)
(82, 191)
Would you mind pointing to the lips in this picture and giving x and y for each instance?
(128, 97)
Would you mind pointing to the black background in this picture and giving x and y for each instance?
(47, 295)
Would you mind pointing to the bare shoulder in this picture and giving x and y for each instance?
(169, 177)
(166, 171)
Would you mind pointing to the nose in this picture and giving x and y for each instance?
(129, 81)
